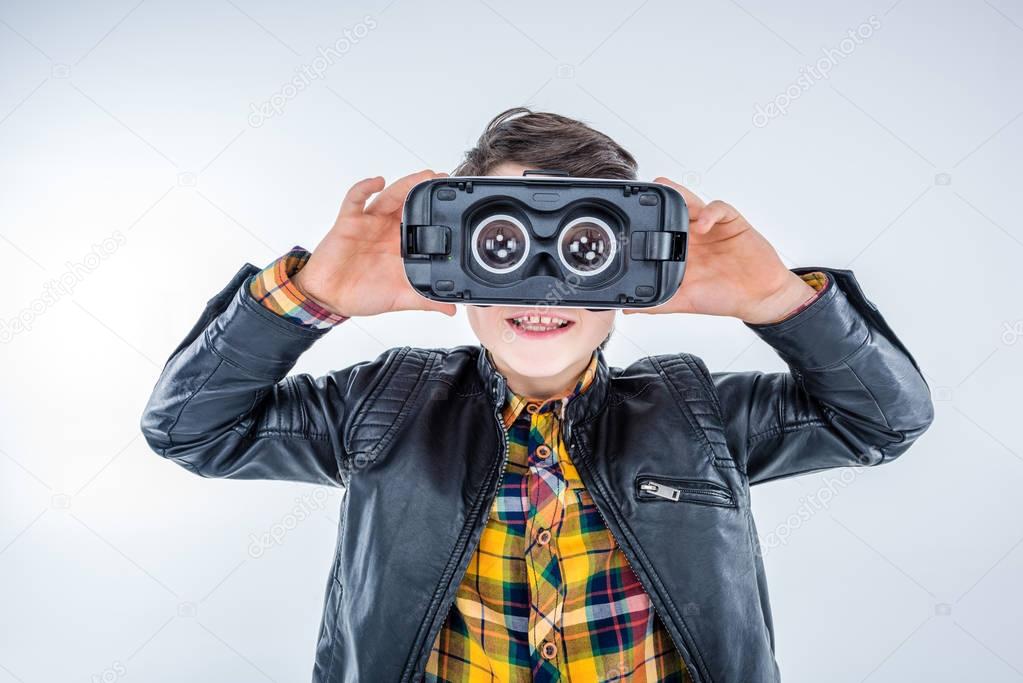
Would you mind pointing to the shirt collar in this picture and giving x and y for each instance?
(583, 408)
(515, 403)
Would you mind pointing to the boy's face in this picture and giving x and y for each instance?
(542, 340)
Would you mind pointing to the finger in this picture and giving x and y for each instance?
(714, 213)
(669, 306)
(652, 310)
(393, 196)
(412, 300)
(692, 201)
(630, 311)
(447, 309)
(355, 200)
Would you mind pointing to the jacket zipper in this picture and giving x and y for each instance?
(660, 490)
(674, 493)
(432, 636)
(681, 651)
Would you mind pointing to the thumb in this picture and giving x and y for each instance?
(430, 305)
(447, 309)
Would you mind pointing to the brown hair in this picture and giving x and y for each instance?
(547, 141)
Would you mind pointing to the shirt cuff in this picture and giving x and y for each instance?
(272, 287)
(818, 280)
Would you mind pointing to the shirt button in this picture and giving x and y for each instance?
(544, 537)
(548, 650)
(531, 408)
(543, 451)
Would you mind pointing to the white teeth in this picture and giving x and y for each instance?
(539, 323)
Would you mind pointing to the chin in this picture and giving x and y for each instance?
(542, 359)
(532, 365)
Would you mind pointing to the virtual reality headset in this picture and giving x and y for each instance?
(556, 241)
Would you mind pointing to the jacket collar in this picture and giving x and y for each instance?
(582, 406)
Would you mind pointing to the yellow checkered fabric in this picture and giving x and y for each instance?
(548, 595)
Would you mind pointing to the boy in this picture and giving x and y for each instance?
(517, 510)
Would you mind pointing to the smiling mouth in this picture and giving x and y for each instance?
(539, 323)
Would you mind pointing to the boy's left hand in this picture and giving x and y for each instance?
(731, 269)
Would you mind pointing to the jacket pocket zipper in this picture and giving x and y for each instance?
(684, 490)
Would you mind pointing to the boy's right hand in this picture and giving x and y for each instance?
(357, 269)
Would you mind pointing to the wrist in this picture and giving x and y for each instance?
(300, 280)
(275, 289)
(784, 300)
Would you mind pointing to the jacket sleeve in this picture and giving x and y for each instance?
(225, 407)
(853, 395)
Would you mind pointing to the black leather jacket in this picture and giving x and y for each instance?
(414, 437)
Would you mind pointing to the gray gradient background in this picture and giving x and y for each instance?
(130, 121)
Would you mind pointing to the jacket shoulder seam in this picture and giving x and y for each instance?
(686, 409)
(460, 394)
(407, 399)
(785, 429)
(360, 408)
(410, 400)
(620, 397)
(290, 434)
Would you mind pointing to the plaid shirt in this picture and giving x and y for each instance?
(548, 594)
(273, 288)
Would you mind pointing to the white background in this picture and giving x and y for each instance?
(134, 119)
